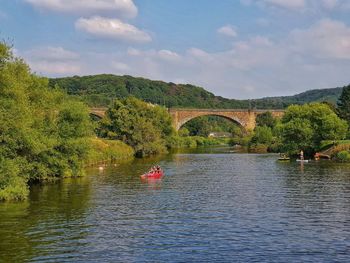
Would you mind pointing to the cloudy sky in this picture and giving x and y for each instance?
(234, 48)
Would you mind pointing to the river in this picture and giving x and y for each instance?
(211, 206)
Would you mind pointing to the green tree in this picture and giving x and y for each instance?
(266, 119)
(42, 131)
(344, 104)
(303, 127)
(139, 124)
(262, 135)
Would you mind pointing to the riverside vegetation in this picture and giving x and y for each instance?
(46, 134)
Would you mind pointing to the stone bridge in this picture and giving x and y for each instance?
(246, 118)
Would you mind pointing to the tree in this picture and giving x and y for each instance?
(262, 135)
(139, 124)
(303, 127)
(344, 104)
(42, 131)
(266, 119)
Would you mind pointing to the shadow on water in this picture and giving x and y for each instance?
(49, 219)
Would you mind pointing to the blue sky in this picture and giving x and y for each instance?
(233, 48)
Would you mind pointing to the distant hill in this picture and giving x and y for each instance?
(99, 90)
(316, 95)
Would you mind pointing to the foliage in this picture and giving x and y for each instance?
(344, 104)
(266, 119)
(42, 131)
(258, 148)
(343, 156)
(141, 125)
(202, 126)
(100, 90)
(304, 127)
(108, 150)
(262, 135)
(183, 132)
(177, 141)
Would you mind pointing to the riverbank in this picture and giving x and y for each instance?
(103, 151)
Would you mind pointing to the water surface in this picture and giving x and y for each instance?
(214, 206)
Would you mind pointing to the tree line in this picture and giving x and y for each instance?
(101, 90)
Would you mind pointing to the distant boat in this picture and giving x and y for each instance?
(153, 175)
(284, 159)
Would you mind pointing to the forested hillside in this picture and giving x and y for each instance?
(99, 90)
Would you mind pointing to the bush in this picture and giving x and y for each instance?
(343, 156)
(258, 148)
(176, 141)
(108, 150)
(262, 135)
(13, 186)
(43, 131)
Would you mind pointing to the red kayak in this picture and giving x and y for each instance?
(153, 175)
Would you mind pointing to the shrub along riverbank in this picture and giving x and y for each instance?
(44, 133)
(107, 151)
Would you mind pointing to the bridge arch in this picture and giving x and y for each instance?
(246, 118)
(233, 119)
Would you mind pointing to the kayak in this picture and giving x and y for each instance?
(284, 159)
(153, 175)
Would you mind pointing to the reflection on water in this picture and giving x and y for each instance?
(208, 207)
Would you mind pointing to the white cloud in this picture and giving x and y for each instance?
(124, 8)
(53, 60)
(52, 54)
(120, 68)
(168, 55)
(55, 68)
(228, 30)
(327, 39)
(106, 28)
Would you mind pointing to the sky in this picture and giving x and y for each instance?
(233, 48)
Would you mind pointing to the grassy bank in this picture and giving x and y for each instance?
(107, 151)
(176, 141)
